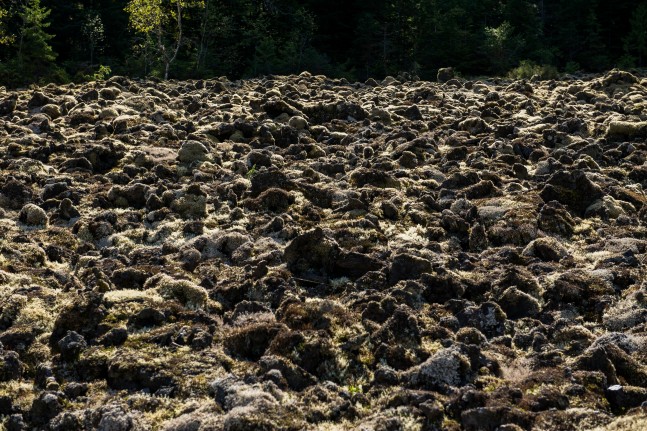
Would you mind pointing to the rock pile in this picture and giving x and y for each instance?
(299, 252)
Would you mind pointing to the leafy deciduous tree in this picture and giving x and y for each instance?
(502, 46)
(154, 16)
(5, 37)
(93, 32)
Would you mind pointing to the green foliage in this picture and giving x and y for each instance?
(33, 39)
(572, 67)
(354, 39)
(627, 62)
(155, 17)
(33, 58)
(635, 43)
(146, 16)
(528, 69)
(502, 46)
(102, 73)
(355, 389)
(5, 38)
(94, 33)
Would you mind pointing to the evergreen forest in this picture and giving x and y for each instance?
(62, 41)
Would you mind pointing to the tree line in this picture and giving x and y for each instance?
(52, 40)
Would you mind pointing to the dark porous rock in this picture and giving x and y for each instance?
(623, 398)
(268, 179)
(446, 368)
(355, 265)
(518, 304)
(441, 288)
(474, 126)
(114, 337)
(273, 199)
(129, 196)
(192, 151)
(296, 377)
(493, 418)
(555, 219)
(104, 157)
(129, 278)
(363, 176)
(488, 318)
(312, 253)
(8, 105)
(45, 407)
(6, 405)
(82, 316)
(250, 342)
(75, 390)
(445, 74)
(14, 194)
(33, 215)
(546, 249)
(10, 366)
(407, 267)
(578, 287)
(146, 318)
(71, 345)
(126, 372)
(328, 254)
(573, 189)
(191, 203)
(38, 99)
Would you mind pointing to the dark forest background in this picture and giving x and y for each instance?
(53, 40)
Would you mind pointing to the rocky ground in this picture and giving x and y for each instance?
(301, 253)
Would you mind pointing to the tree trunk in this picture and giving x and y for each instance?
(179, 40)
(202, 51)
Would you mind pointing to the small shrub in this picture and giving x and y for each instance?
(626, 62)
(572, 67)
(102, 73)
(527, 69)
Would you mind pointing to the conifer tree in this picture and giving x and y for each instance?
(635, 42)
(32, 58)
